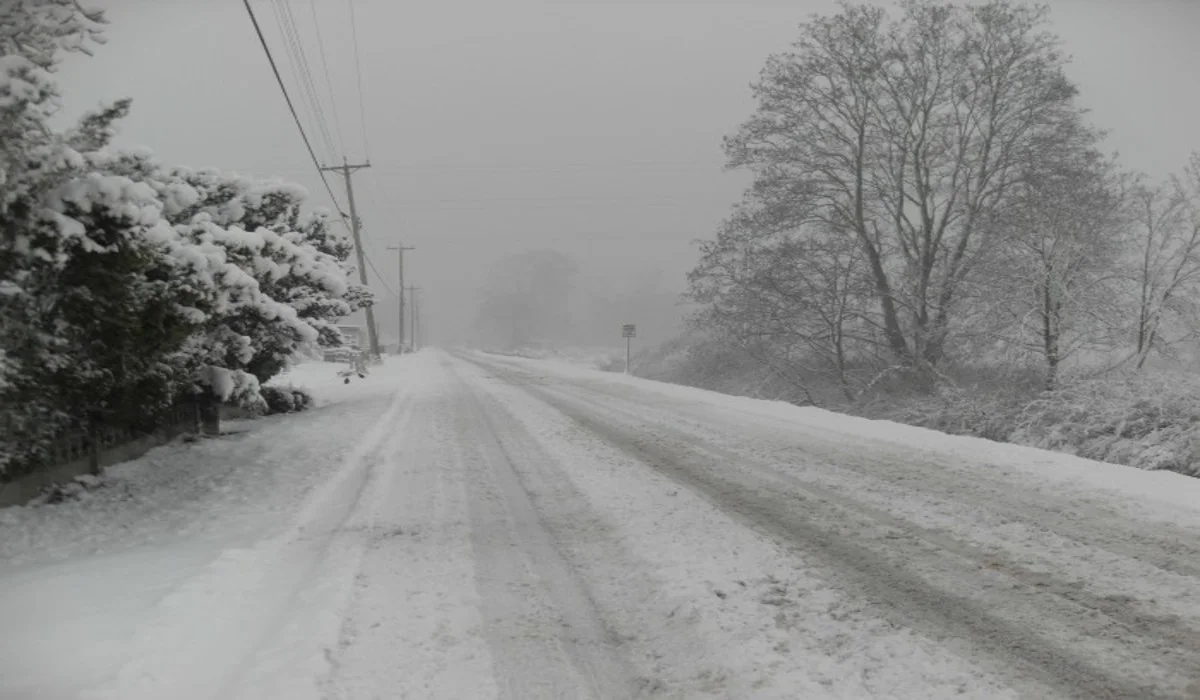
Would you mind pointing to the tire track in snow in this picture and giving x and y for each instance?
(186, 651)
(715, 609)
(541, 624)
(1182, 640)
(1135, 574)
(411, 628)
(297, 657)
(970, 617)
(1168, 546)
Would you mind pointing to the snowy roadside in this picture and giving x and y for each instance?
(328, 389)
(176, 544)
(1160, 495)
(171, 493)
(598, 358)
(971, 551)
(709, 607)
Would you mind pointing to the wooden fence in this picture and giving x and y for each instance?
(81, 452)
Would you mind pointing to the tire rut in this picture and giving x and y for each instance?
(895, 581)
(1166, 546)
(534, 603)
(1183, 641)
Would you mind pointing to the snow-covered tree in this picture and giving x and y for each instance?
(125, 284)
(902, 133)
(1057, 281)
(789, 294)
(92, 312)
(36, 240)
(299, 264)
(1165, 262)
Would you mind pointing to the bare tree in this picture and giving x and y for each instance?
(1063, 229)
(903, 136)
(1166, 238)
(796, 296)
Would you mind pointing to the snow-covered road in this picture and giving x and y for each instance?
(481, 527)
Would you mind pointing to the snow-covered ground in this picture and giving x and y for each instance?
(475, 526)
(606, 358)
(175, 570)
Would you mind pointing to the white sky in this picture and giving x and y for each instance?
(590, 127)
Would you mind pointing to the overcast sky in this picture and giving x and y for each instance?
(590, 127)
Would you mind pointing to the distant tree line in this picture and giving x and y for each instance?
(125, 283)
(928, 193)
(542, 298)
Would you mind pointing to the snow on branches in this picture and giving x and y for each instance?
(124, 283)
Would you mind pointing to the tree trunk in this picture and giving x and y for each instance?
(1050, 339)
(891, 318)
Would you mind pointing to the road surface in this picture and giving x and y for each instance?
(504, 528)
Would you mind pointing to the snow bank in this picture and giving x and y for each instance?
(132, 590)
(1051, 469)
(608, 359)
(322, 380)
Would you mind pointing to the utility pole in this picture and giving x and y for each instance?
(400, 255)
(346, 169)
(412, 322)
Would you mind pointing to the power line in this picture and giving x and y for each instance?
(380, 278)
(550, 167)
(304, 135)
(337, 122)
(362, 111)
(304, 67)
(295, 45)
(289, 47)
(619, 202)
(371, 265)
(290, 51)
(314, 93)
(292, 107)
(305, 72)
(584, 166)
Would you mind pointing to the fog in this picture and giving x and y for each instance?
(589, 129)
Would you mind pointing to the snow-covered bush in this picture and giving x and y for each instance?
(701, 360)
(77, 260)
(1143, 421)
(286, 399)
(299, 266)
(1150, 422)
(125, 284)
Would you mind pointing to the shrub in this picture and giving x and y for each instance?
(286, 399)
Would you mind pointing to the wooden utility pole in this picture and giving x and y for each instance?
(413, 321)
(346, 169)
(400, 254)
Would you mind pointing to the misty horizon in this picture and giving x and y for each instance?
(593, 130)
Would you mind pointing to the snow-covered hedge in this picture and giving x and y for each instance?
(1145, 421)
(1149, 419)
(286, 399)
(126, 283)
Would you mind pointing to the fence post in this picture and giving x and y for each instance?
(210, 414)
(94, 447)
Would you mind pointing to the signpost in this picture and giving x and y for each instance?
(629, 331)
